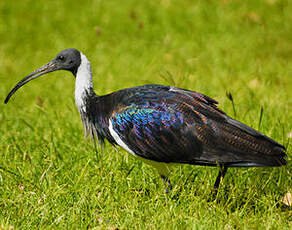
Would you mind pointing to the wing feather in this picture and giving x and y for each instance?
(177, 125)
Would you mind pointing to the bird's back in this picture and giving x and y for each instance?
(169, 124)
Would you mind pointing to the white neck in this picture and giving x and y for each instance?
(83, 82)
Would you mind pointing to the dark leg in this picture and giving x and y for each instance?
(168, 184)
(222, 172)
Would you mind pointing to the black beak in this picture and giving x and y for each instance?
(50, 67)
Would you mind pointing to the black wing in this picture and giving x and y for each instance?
(176, 125)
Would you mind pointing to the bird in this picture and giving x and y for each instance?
(163, 125)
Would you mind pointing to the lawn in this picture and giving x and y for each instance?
(51, 177)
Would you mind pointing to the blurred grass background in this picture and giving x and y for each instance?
(50, 177)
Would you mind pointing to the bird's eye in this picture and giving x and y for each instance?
(61, 58)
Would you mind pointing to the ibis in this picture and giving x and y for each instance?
(163, 125)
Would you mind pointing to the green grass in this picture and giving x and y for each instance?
(50, 177)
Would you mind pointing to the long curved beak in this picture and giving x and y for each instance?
(50, 67)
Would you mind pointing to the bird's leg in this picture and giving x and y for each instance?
(222, 172)
(168, 184)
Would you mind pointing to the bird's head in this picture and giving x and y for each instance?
(68, 59)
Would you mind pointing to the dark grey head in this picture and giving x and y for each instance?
(68, 59)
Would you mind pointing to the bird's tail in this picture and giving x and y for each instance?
(251, 148)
